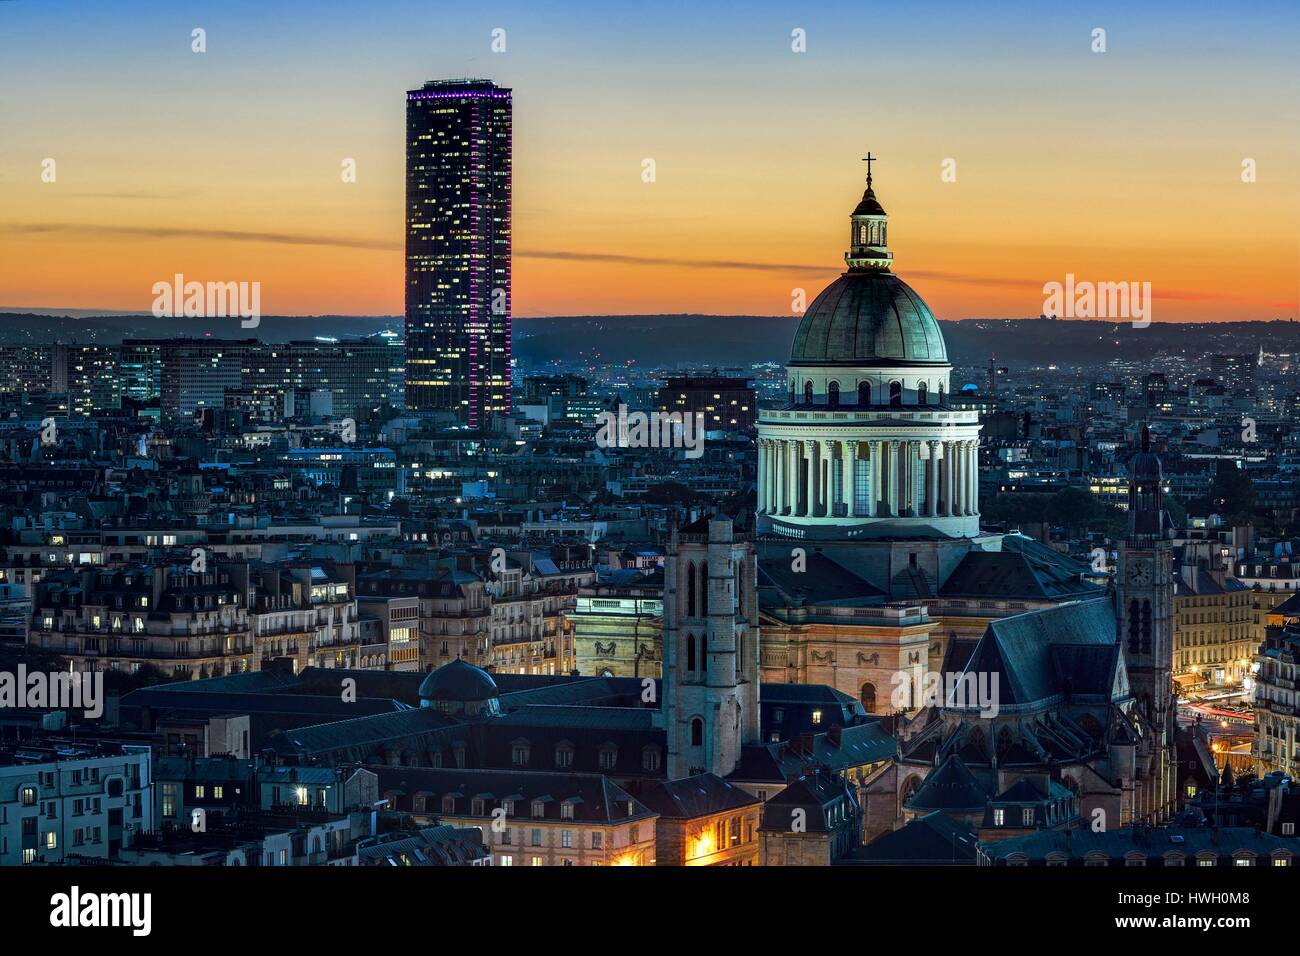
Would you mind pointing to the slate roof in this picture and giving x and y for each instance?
(777, 763)
(952, 788)
(1076, 844)
(218, 703)
(1024, 569)
(359, 732)
(202, 770)
(823, 582)
(594, 798)
(935, 839)
(1288, 608)
(253, 682)
(1033, 653)
(813, 793)
(698, 796)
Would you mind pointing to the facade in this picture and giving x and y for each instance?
(617, 626)
(399, 629)
(1214, 639)
(458, 176)
(726, 404)
(703, 821)
(530, 819)
(57, 804)
(188, 624)
(815, 821)
(1277, 694)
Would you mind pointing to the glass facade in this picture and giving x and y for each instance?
(458, 171)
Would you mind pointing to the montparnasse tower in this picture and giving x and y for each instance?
(868, 444)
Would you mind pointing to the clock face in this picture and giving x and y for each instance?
(1140, 572)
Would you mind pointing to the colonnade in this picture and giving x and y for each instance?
(874, 478)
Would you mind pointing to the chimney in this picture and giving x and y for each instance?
(834, 736)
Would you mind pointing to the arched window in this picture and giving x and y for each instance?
(697, 732)
(792, 391)
(895, 393)
(807, 393)
(869, 698)
(922, 394)
(690, 589)
(690, 652)
(864, 393)
(940, 394)
(862, 234)
(833, 394)
(704, 589)
(704, 654)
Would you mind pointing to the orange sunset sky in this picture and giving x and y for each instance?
(1116, 166)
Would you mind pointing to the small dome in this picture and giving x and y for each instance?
(868, 318)
(869, 206)
(459, 681)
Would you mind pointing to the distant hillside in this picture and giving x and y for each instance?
(704, 339)
(29, 328)
(739, 340)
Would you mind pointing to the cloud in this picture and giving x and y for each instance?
(96, 231)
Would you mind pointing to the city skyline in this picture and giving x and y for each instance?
(1067, 162)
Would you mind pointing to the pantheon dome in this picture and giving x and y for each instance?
(868, 446)
(869, 316)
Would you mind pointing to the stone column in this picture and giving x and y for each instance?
(849, 454)
(873, 478)
(810, 484)
(764, 475)
(959, 477)
(774, 489)
(932, 480)
(948, 461)
(893, 478)
(974, 477)
(824, 476)
(913, 469)
(966, 478)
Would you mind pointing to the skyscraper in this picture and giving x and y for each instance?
(458, 135)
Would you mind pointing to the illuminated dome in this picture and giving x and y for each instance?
(868, 317)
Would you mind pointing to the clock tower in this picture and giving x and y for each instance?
(1144, 612)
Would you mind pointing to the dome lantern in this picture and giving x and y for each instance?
(869, 240)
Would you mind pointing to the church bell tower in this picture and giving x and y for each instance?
(1144, 612)
(710, 685)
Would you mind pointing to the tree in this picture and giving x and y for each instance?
(1074, 508)
(1232, 494)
